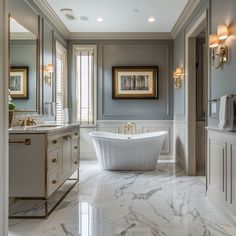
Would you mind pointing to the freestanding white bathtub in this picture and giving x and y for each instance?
(128, 152)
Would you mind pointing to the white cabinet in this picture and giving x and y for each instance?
(221, 174)
(65, 164)
(41, 162)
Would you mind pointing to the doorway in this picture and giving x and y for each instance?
(201, 105)
(196, 67)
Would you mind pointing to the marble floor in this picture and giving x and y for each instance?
(131, 203)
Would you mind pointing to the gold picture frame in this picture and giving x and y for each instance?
(18, 82)
(135, 82)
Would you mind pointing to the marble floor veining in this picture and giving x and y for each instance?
(163, 202)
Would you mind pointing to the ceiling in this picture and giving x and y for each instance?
(120, 15)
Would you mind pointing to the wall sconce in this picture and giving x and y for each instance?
(178, 76)
(48, 74)
(218, 48)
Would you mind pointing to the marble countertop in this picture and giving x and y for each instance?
(42, 128)
(233, 132)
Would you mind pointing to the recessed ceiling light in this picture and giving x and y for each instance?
(99, 19)
(84, 18)
(151, 19)
(68, 13)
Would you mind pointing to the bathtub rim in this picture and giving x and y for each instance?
(127, 137)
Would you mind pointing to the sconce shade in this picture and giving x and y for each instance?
(50, 68)
(213, 41)
(179, 72)
(178, 77)
(222, 32)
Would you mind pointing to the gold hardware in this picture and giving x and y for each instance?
(27, 142)
(54, 141)
(128, 128)
(48, 74)
(28, 122)
(54, 181)
(178, 76)
(219, 50)
(54, 160)
(67, 137)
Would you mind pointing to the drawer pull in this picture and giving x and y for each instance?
(75, 147)
(54, 141)
(67, 137)
(76, 134)
(54, 181)
(54, 160)
(75, 162)
(26, 142)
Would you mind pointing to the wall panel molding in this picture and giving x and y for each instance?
(86, 145)
(164, 82)
(185, 15)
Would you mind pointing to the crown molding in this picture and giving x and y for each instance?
(22, 36)
(120, 35)
(186, 13)
(48, 11)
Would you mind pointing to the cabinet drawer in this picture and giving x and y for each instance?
(53, 182)
(53, 160)
(53, 142)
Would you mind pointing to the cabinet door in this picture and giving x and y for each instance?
(65, 165)
(27, 165)
(217, 169)
(232, 165)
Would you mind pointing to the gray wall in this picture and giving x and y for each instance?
(221, 82)
(138, 53)
(224, 81)
(23, 53)
(179, 58)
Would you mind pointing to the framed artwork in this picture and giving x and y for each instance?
(135, 82)
(18, 82)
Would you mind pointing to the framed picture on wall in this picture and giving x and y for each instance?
(18, 82)
(135, 82)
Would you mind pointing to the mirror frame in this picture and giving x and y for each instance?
(38, 73)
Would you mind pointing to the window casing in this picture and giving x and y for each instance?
(86, 84)
(61, 82)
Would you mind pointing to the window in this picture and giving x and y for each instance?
(61, 81)
(85, 74)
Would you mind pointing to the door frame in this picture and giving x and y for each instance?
(4, 117)
(190, 88)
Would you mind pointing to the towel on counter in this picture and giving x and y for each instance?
(50, 109)
(226, 114)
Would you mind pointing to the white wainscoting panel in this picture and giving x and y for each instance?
(86, 146)
(180, 143)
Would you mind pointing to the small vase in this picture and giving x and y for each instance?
(10, 119)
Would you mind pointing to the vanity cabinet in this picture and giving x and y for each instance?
(41, 162)
(221, 174)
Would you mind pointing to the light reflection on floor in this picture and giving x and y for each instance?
(161, 202)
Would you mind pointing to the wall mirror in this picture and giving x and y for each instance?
(23, 68)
